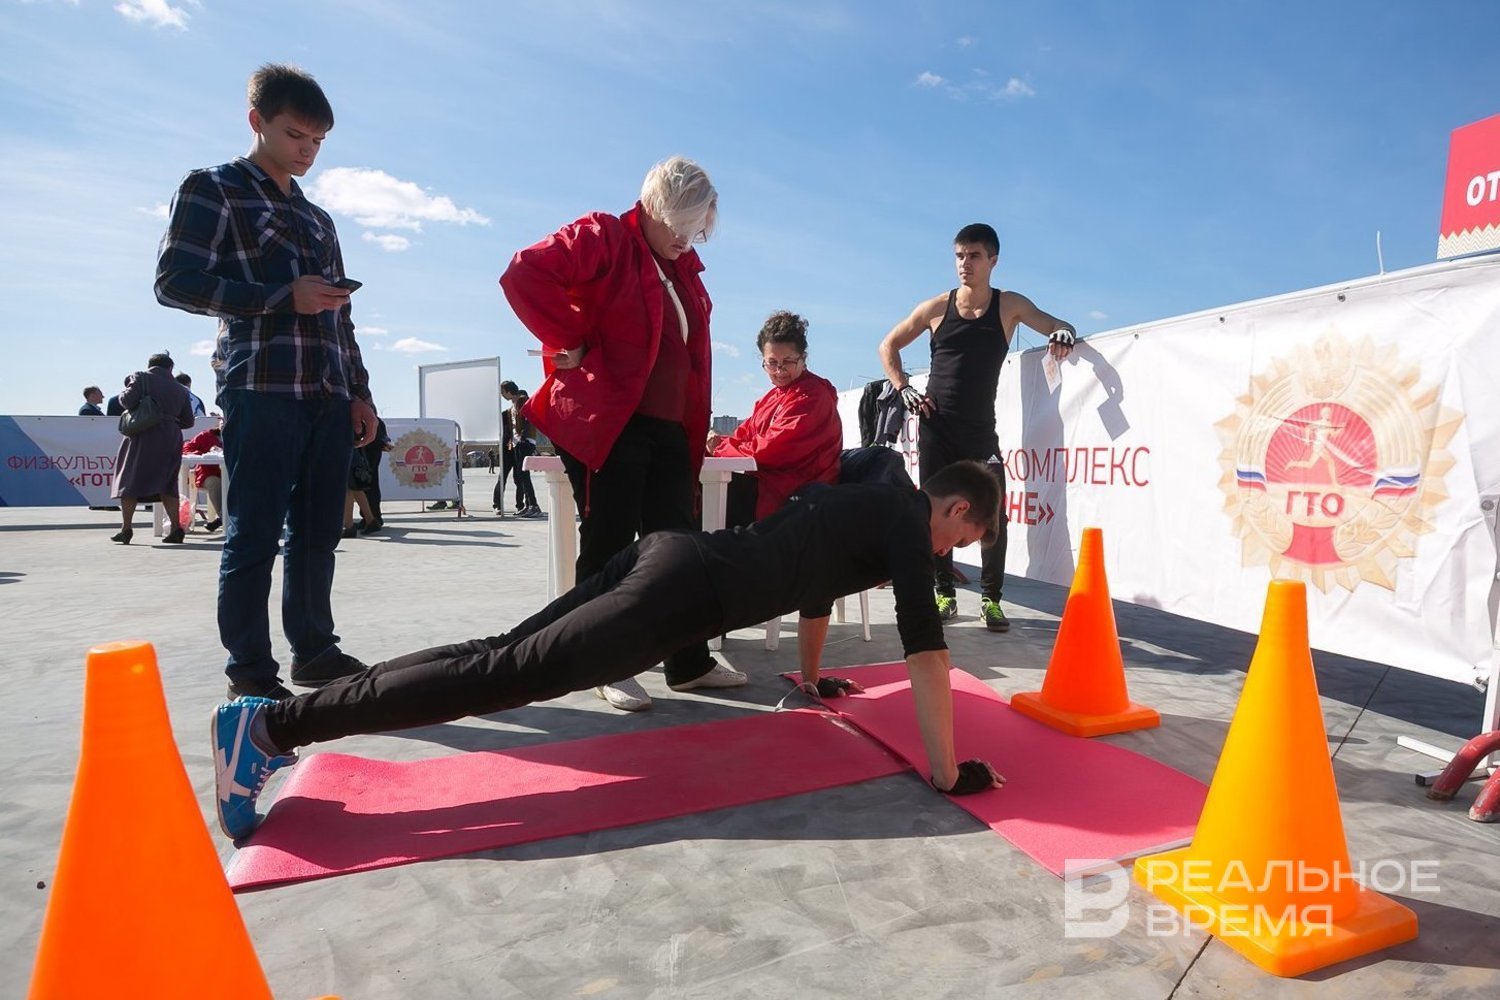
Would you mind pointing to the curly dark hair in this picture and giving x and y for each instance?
(783, 327)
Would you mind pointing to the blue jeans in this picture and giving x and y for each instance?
(287, 462)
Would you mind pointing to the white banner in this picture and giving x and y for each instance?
(1348, 436)
(62, 461)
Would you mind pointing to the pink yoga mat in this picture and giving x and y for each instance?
(1065, 798)
(338, 813)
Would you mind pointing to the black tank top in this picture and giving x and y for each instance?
(966, 359)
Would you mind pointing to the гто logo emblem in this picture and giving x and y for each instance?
(1334, 462)
(420, 458)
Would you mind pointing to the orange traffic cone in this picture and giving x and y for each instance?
(1268, 869)
(1083, 693)
(139, 904)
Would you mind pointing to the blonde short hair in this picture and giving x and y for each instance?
(678, 192)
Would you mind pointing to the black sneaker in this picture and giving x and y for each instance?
(259, 689)
(947, 607)
(326, 668)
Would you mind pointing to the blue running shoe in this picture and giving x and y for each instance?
(240, 767)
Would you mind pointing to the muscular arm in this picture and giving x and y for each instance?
(1017, 308)
(906, 332)
(934, 704)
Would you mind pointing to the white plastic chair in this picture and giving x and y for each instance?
(773, 627)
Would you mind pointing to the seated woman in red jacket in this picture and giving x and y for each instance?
(794, 433)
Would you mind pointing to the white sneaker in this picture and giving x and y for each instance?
(719, 677)
(626, 695)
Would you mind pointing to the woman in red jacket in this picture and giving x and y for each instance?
(794, 433)
(623, 317)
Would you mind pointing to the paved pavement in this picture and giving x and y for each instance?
(883, 889)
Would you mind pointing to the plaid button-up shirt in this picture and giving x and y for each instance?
(233, 247)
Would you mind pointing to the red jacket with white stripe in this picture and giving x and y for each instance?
(594, 283)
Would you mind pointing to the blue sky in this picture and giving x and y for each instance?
(1138, 160)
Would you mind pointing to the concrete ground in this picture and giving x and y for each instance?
(882, 889)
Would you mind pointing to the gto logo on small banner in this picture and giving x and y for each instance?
(1471, 196)
(420, 458)
(1334, 462)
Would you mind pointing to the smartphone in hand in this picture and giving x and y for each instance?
(348, 284)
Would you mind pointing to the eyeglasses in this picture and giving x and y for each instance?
(700, 237)
(772, 365)
(689, 228)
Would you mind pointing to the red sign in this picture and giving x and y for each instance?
(1471, 197)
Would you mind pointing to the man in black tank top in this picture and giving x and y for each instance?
(971, 328)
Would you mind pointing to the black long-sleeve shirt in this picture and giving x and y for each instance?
(826, 543)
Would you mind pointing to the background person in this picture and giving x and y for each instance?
(374, 452)
(92, 397)
(507, 456)
(971, 329)
(209, 478)
(618, 305)
(245, 245)
(184, 380)
(523, 446)
(147, 465)
(793, 433)
(364, 485)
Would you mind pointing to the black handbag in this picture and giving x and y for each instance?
(146, 414)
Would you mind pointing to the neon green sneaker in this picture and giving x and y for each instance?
(993, 616)
(947, 607)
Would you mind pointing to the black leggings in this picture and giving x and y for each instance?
(649, 601)
(935, 452)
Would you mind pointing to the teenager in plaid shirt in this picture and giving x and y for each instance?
(244, 245)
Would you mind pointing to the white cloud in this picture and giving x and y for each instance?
(729, 349)
(1098, 314)
(157, 211)
(965, 42)
(373, 331)
(201, 348)
(1016, 88)
(376, 199)
(389, 242)
(411, 345)
(157, 13)
(981, 87)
